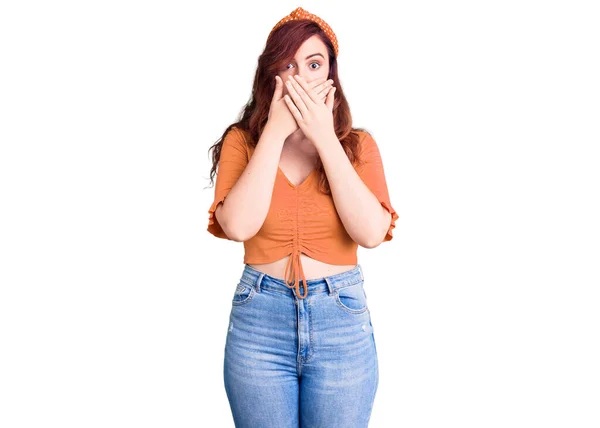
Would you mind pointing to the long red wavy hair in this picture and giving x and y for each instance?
(279, 50)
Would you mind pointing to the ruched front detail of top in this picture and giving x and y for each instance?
(300, 219)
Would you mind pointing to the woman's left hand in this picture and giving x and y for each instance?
(314, 117)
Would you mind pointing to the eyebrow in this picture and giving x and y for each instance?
(315, 54)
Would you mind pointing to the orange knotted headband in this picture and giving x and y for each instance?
(300, 13)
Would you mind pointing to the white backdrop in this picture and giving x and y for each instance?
(115, 299)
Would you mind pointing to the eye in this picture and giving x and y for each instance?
(316, 62)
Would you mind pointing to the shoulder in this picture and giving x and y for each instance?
(366, 142)
(362, 133)
(237, 137)
(364, 136)
(238, 134)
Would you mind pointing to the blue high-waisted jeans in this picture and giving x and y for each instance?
(292, 362)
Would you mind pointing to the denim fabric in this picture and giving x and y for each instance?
(292, 362)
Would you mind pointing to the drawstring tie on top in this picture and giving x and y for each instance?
(294, 266)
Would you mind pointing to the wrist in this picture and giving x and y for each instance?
(327, 141)
(273, 132)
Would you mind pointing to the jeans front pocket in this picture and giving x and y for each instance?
(352, 298)
(244, 293)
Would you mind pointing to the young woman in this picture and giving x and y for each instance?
(301, 188)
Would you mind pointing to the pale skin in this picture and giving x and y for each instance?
(294, 146)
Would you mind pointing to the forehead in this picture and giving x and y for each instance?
(310, 46)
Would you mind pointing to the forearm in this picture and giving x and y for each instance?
(361, 213)
(243, 212)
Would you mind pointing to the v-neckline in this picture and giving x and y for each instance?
(292, 184)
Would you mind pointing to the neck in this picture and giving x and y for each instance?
(296, 137)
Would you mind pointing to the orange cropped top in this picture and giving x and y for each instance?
(300, 219)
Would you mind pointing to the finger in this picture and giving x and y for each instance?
(293, 109)
(318, 82)
(323, 86)
(296, 97)
(278, 88)
(307, 95)
(323, 89)
(323, 95)
(330, 99)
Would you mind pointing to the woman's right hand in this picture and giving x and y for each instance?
(280, 116)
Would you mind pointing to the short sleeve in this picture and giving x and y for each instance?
(370, 170)
(232, 163)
